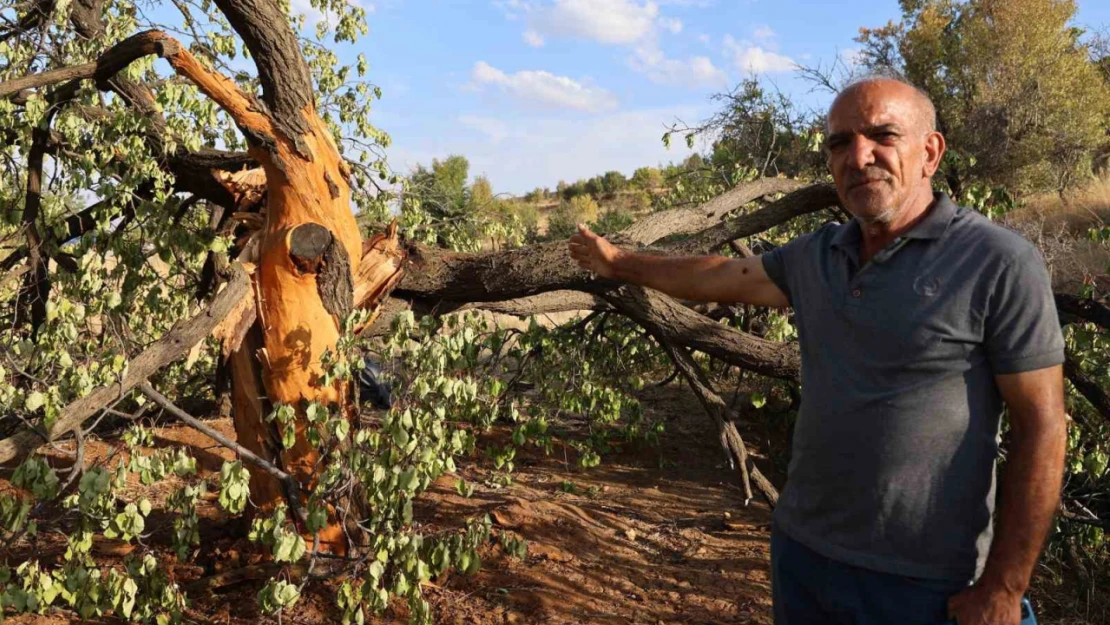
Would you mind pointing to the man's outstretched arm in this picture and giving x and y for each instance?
(1028, 494)
(699, 278)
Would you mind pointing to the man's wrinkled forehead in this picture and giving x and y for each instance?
(877, 103)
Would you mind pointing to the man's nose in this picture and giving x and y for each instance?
(861, 153)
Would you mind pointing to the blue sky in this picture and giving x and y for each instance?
(534, 91)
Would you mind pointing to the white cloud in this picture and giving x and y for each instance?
(513, 9)
(697, 71)
(538, 151)
(704, 39)
(604, 21)
(672, 24)
(764, 33)
(494, 129)
(752, 59)
(544, 88)
(636, 24)
(533, 38)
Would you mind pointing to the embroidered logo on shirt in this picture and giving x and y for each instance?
(926, 285)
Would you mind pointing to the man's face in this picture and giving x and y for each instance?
(877, 149)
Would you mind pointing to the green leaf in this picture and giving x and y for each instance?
(34, 401)
(758, 400)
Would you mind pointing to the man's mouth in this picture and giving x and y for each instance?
(864, 183)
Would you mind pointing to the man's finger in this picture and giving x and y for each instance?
(585, 231)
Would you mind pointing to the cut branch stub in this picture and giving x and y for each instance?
(307, 244)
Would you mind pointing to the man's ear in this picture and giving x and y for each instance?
(934, 152)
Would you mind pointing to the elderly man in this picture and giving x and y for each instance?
(917, 320)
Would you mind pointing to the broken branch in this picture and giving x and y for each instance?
(173, 345)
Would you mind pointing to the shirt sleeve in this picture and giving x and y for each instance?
(783, 263)
(1022, 330)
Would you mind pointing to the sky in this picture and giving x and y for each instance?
(537, 91)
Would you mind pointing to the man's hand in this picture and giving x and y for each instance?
(982, 604)
(594, 253)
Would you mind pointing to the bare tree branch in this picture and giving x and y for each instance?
(689, 220)
(1082, 308)
(801, 202)
(292, 489)
(731, 441)
(173, 345)
(1088, 388)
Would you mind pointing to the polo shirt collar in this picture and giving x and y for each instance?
(936, 220)
(933, 226)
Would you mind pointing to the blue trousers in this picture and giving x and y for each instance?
(810, 589)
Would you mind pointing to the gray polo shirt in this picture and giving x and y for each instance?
(893, 462)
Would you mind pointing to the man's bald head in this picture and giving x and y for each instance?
(926, 113)
(883, 149)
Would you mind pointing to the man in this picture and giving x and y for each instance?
(917, 320)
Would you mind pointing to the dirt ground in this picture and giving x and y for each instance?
(655, 535)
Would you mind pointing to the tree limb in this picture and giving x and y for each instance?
(292, 489)
(282, 70)
(108, 64)
(689, 220)
(677, 325)
(491, 276)
(730, 437)
(171, 346)
(801, 202)
(1088, 388)
(1083, 308)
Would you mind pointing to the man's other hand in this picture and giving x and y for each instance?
(593, 252)
(983, 604)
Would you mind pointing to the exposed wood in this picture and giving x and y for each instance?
(300, 294)
(165, 350)
(249, 407)
(380, 270)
